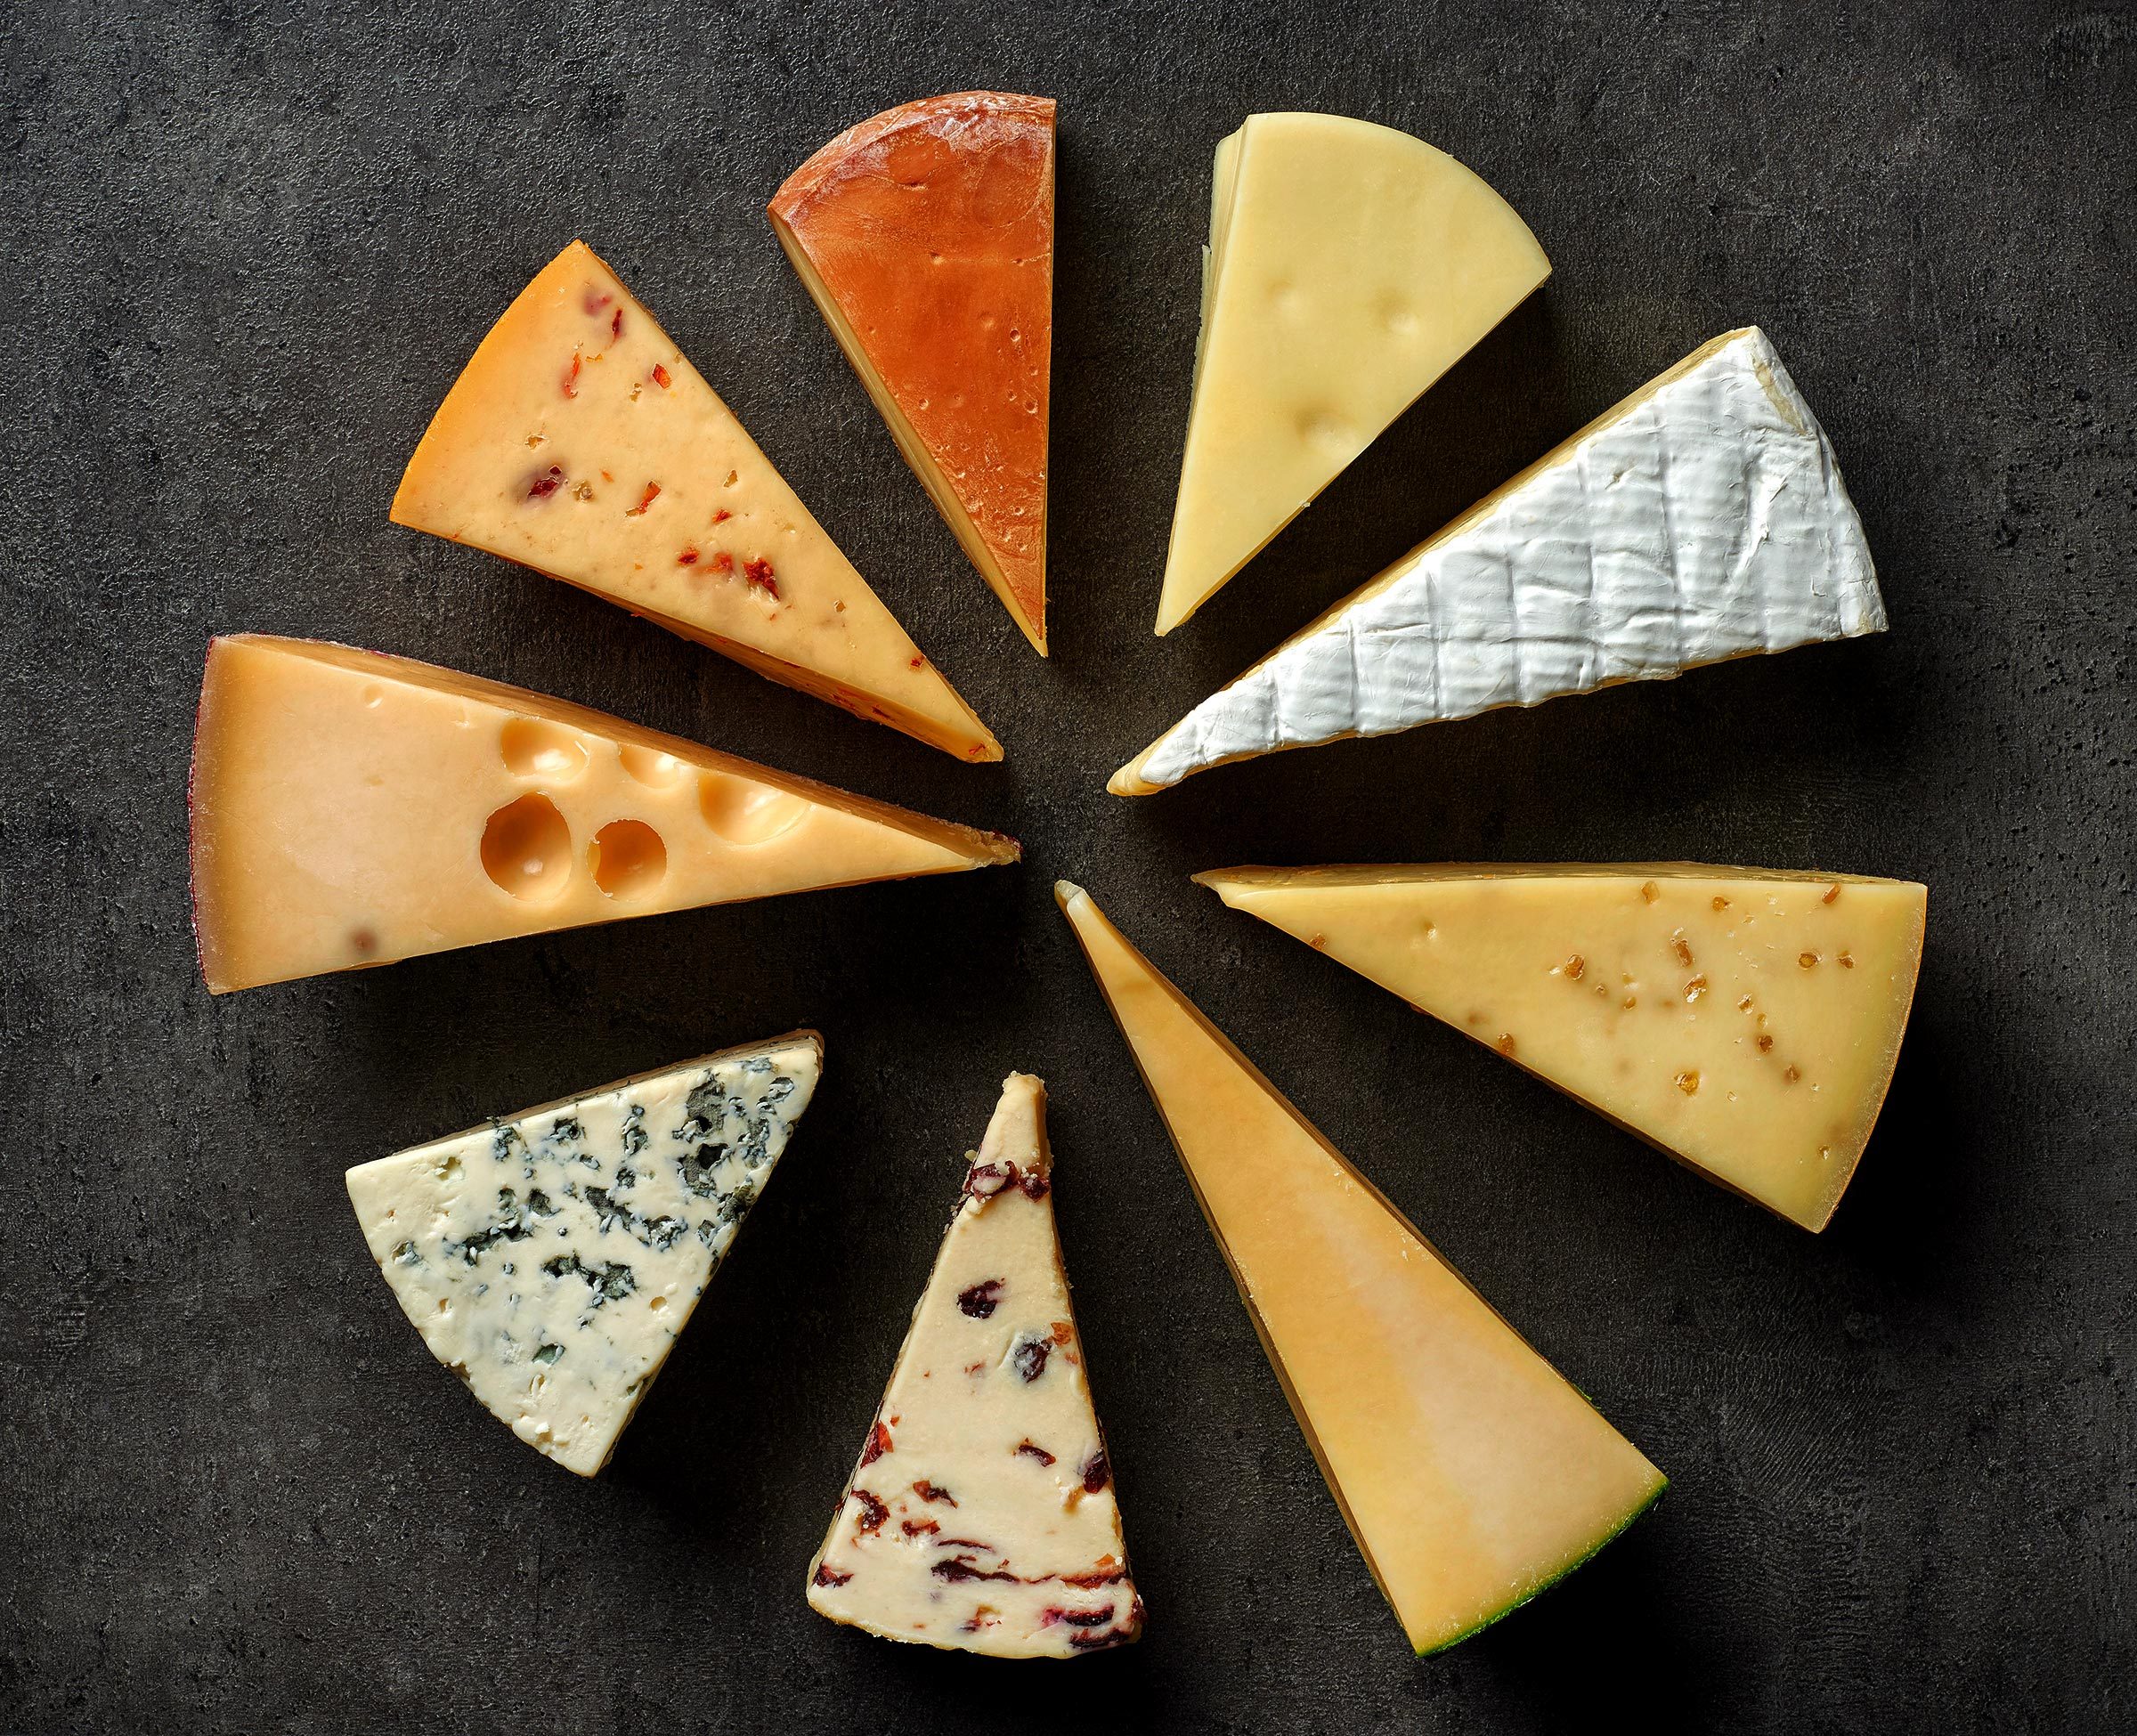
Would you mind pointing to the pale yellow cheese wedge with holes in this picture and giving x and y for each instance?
(1744, 1020)
(1471, 1474)
(981, 1515)
(351, 809)
(580, 441)
(1349, 266)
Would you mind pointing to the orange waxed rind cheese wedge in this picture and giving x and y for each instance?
(925, 236)
(580, 440)
(1471, 1474)
(351, 809)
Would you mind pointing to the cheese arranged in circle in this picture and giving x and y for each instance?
(1743, 1020)
(1349, 266)
(352, 809)
(580, 441)
(925, 236)
(1702, 518)
(981, 1516)
(549, 1259)
(1470, 1474)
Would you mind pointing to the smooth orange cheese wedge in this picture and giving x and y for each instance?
(1746, 1020)
(580, 442)
(351, 809)
(1472, 1475)
(926, 237)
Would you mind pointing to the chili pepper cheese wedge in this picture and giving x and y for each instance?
(1470, 1474)
(1349, 266)
(925, 236)
(580, 440)
(981, 1516)
(1745, 1020)
(351, 809)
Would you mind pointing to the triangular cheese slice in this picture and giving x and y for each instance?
(581, 443)
(351, 809)
(1471, 1474)
(550, 1258)
(1349, 267)
(981, 1516)
(1744, 1020)
(1702, 518)
(925, 235)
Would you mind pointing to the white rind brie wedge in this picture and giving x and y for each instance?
(1702, 518)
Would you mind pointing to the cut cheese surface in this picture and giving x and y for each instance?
(981, 1516)
(351, 809)
(1744, 1020)
(1471, 1474)
(578, 440)
(925, 235)
(549, 1259)
(1349, 266)
(1702, 518)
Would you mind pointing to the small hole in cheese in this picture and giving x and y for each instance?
(532, 748)
(746, 813)
(651, 768)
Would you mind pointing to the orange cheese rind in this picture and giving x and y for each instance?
(925, 236)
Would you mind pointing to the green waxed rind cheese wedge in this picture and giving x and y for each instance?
(1745, 1022)
(1471, 1474)
(551, 1258)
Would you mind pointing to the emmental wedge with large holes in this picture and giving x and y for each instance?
(981, 1515)
(580, 441)
(1745, 1020)
(925, 236)
(351, 809)
(1471, 1474)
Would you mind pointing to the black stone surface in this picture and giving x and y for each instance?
(250, 244)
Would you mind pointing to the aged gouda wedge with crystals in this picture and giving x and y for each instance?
(1471, 1474)
(578, 440)
(981, 1516)
(1744, 1020)
(549, 1259)
(352, 809)
(1349, 266)
(925, 235)
(1702, 518)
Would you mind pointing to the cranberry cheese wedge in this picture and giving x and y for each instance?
(580, 441)
(925, 236)
(981, 1515)
(1471, 1473)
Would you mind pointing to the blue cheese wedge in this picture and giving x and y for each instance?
(549, 1259)
(1702, 518)
(981, 1515)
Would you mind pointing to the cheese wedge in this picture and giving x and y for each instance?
(549, 1259)
(1702, 518)
(1744, 1020)
(981, 1516)
(1349, 266)
(925, 235)
(1470, 1474)
(352, 809)
(580, 442)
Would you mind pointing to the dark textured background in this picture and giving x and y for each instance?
(251, 246)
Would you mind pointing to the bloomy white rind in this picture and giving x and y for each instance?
(1703, 518)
